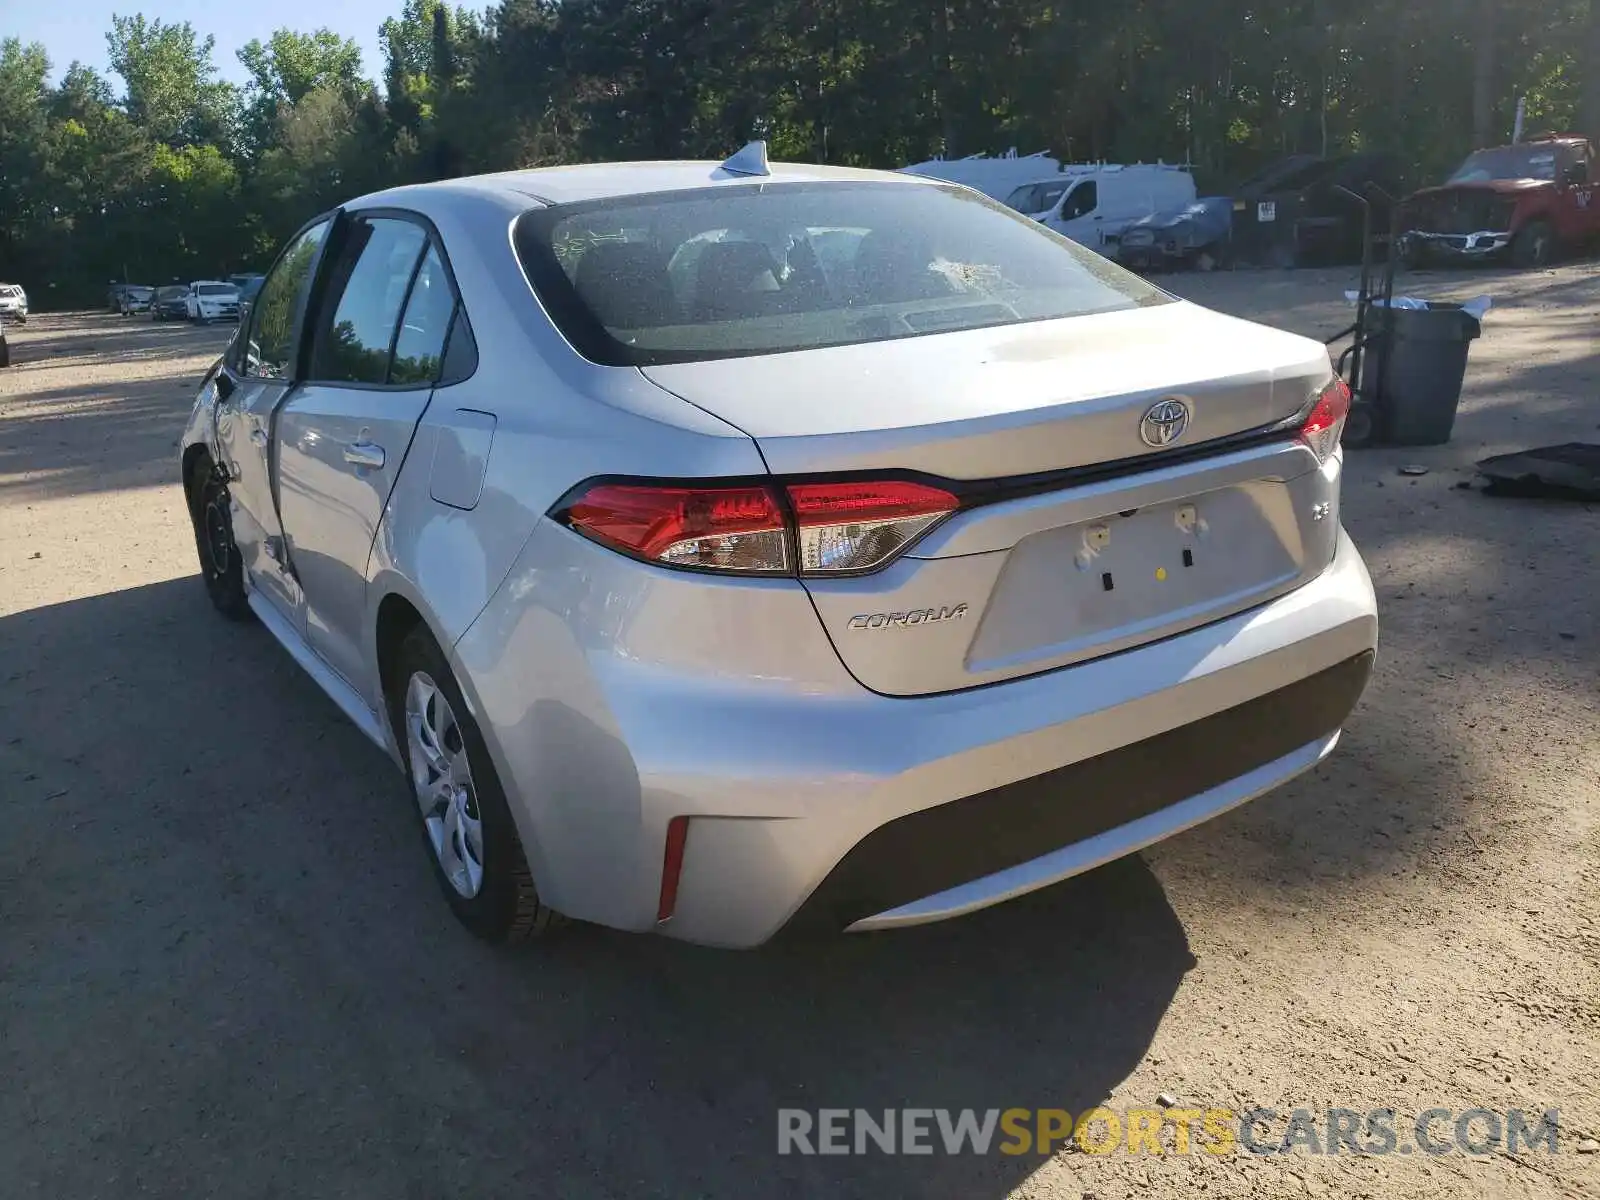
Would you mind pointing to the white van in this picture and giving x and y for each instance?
(1093, 205)
(996, 178)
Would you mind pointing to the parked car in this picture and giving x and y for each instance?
(1100, 202)
(14, 303)
(134, 298)
(1528, 203)
(773, 593)
(244, 279)
(1300, 211)
(248, 290)
(1195, 235)
(170, 303)
(212, 300)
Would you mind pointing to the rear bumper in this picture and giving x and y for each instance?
(611, 705)
(970, 853)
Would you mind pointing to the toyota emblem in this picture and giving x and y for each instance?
(1164, 422)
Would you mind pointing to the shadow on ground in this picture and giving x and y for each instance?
(228, 971)
(95, 437)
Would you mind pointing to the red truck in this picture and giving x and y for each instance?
(1529, 202)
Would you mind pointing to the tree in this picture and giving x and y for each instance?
(1590, 67)
(172, 92)
(289, 67)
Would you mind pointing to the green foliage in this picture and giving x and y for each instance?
(182, 175)
(172, 94)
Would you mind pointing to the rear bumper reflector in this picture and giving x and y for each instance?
(672, 867)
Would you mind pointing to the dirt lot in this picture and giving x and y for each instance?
(224, 969)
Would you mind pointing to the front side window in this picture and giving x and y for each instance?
(1085, 198)
(278, 306)
(375, 267)
(723, 272)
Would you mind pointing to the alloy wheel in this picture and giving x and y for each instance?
(442, 780)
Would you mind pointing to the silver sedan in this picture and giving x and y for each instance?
(721, 549)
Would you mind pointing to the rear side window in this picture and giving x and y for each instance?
(760, 269)
(278, 307)
(419, 347)
(375, 269)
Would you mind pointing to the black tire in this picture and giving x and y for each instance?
(1359, 426)
(1534, 246)
(507, 908)
(221, 568)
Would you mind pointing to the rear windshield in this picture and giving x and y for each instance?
(216, 289)
(725, 272)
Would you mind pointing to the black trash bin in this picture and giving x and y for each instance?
(1423, 355)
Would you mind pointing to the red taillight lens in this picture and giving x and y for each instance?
(850, 527)
(1325, 425)
(718, 528)
(839, 528)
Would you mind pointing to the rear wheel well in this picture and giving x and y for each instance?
(397, 617)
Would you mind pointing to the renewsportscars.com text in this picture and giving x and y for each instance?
(1215, 1131)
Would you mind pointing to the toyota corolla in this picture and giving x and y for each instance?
(722, 549)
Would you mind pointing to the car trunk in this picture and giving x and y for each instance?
(1039, 570)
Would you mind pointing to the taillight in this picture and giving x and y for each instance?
(850, 527)
(836, 528)
(1325, 423)
(711, 528)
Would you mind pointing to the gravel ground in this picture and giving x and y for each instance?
(224, 969)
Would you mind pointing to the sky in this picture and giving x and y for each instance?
(76, 29)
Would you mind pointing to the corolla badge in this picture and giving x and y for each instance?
(917, 616)
(1164, 422)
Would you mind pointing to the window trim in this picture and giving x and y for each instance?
(316, 327)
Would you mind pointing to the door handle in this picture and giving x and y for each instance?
(364, 454)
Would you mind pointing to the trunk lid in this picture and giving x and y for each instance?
(1007, 401)
(1048, 576)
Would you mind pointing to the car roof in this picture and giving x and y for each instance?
(604, 181)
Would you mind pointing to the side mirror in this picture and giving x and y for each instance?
(1576, 174)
